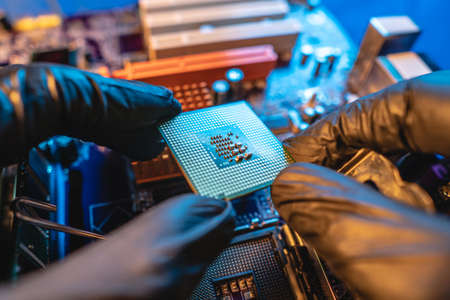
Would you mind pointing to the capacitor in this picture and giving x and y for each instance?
(220, 91)
(313, 3)
(306, 51)
(296, 122)
(308, 114)
(333, 59)
(319, 109)
(260, 85)
(235, 77)
(331, 62)
(247, 88)
(320, 62)
(309, 96)
(311, 108)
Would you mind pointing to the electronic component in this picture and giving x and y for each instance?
(271, 263)
(189, 138)
(64, 56)
(161, 167)
(193, 96)
(227, 144)
(392, 68)
(296, 121)
(161, 5)
(45, 21)
(217, 15)
(325, 58)
(235, 77)
(131, 42)
(254, 210)
(306, 51)
(252, 258)
(384, 35)
(221, 91)
(236, 287)
(281, 34)
(256, 62)
(320, 62)
(333, 59)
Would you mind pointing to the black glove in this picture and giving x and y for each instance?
(411, 116)
(382, 248)
(161, 254)
(43, 100)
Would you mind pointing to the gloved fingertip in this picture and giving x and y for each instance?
(213, 202)
(276, 189)
(290, 181)
(197, 229)
(139, 145)
(174, 106)
(291, 173)
(300, 168)
(204, 206)
(145, 152)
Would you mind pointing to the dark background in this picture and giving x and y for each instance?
(432, 16)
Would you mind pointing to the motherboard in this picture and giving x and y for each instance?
(248, 74)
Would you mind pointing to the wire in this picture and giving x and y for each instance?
(20, 213)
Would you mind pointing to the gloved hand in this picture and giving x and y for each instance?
(161, 254)
(381, 248)
(42, 100)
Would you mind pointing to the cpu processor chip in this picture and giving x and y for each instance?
(225, 151)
